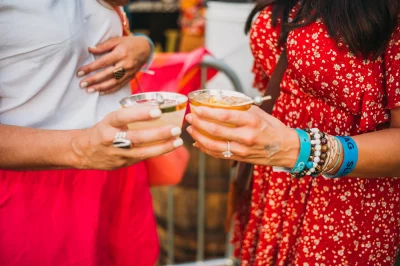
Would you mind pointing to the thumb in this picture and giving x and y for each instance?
(105, 46)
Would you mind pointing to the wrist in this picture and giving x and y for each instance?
(150, 50)
(291, 148)
(78, 143)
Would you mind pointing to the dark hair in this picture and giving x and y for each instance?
(365, 26)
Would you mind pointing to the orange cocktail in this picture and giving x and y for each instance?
(225, 99)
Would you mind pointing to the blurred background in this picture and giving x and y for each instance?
(196, 231)
(191, 215)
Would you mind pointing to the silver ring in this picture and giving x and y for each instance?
(228, 153)
(120, 141)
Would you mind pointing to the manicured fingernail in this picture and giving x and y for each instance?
(92, 47)
(84, 84)
(176, 131)
(154, 113)
(195, 144)
(81, 73)
(190, 130)
(90, 90)
(189, 118)
(178, 143)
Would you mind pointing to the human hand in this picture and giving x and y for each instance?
(129, 53)
(257, 137)
(93, 148)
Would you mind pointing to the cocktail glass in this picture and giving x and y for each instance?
(225, 99)
(173, 109)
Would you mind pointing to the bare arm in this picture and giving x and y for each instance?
(262, 139)
(379, 152)
(22, 148)
(27, 148)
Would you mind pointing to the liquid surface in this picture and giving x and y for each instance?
(153, 102)
(219, 100)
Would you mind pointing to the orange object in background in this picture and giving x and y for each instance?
(167, 169)
(192, 23)
(173, 72)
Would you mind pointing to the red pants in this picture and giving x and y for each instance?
(77, 217)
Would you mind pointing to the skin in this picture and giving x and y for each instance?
(92, 148)
(261, 139)
(88, 148)
(130, 53)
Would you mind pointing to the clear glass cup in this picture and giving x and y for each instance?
(173, 109)
(226, 99)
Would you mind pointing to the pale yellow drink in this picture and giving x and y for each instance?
(225, 99)
(173, 109)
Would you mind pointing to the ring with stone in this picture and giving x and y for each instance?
(119, 73)
(228, 153)
(120, 141)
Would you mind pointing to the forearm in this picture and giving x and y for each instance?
(28, 148)
(378, 154)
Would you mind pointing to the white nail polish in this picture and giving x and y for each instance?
(84, 84)
(176, 131)
(178, 143)
(155, 113)
(91, 90)
(81, 73)
(92, 47)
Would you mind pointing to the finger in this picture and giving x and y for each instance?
(234, 117)
(111, 91)
(106, 85)
(241, 134)
(124, 116)
(98, 78)
(150, 151)
(145, 136)
(103, 62)
(216, 147)
(215, 154)
(105, 46)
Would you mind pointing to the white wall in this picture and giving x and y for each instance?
(226, 40)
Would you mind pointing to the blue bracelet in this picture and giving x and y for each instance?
(350, 156)
(305, 151)
(153, 50)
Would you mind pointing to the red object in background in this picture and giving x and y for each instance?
(173, 72)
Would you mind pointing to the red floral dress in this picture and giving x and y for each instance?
(318, 221)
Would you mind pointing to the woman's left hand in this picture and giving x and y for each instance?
(256, 137)
(129, 53)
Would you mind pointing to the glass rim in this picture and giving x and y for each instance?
(131, 100)
(228, 92)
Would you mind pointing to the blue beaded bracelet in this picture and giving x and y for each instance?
(350, 156)
(305, 150)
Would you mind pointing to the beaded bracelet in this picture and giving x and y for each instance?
(318, 155)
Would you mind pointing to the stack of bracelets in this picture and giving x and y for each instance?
(320, 154)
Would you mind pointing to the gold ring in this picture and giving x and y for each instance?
(119, 73)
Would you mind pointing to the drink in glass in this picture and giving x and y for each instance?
(225, 99)
(173, 108)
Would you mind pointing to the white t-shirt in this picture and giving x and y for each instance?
(42, 45)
